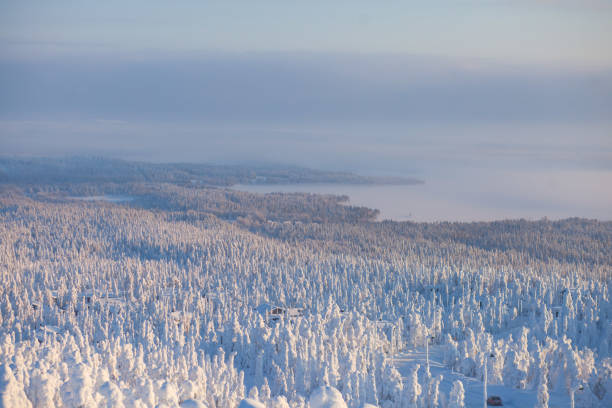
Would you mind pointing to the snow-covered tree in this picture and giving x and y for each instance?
(456, 398)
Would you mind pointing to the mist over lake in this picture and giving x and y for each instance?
(472, 172)
(475, 196)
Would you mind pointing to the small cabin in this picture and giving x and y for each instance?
(268, 309)
(432, 288)
(273, 312)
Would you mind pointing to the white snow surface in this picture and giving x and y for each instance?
(511, 397)
(250, 403)
(326, 397)
(191, 403)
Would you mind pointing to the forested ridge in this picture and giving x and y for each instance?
(165, 297)
(77, 169)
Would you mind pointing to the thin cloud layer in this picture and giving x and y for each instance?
(299, 87)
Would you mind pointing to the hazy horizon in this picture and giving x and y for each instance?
(509, 101)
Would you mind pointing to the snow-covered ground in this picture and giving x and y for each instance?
(511, 397)
(109, 306)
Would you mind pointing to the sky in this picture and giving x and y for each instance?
(437, 89)
(572, 32)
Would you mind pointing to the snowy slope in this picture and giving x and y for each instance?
(109, 305)
(511, 397)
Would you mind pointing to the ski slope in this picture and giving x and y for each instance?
(511, 397)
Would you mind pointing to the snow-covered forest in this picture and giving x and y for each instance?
(184, 295)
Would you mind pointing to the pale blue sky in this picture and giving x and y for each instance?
(560, 32)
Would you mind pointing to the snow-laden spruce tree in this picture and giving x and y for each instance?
(413, 389)
(456, 396)
(11, 391)
(433, 392)
(543, 396)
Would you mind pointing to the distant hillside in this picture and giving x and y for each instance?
(95, 170)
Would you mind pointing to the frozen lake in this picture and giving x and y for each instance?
(107, 198)
(476, 196)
